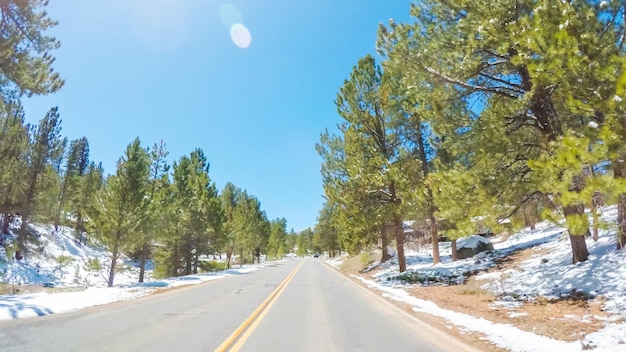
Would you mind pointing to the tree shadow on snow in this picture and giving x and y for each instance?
(15, 307)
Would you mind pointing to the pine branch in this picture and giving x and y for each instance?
(475, 88)
(514, 87)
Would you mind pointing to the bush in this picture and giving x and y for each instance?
(414, 277)
(64, 260)
(93, 264)
(210, 266)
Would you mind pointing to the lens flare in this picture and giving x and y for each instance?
(240, 35)
(230, 15)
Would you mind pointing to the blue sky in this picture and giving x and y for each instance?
(169, 69)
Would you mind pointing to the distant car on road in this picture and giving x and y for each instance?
(316, 255)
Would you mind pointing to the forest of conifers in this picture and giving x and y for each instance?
(490, 110)
(477, 112)
(171, 215)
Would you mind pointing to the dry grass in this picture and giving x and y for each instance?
(543, 317)
(356, 264)
(472, 288)
(558, 319)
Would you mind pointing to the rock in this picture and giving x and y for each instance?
(470, 246)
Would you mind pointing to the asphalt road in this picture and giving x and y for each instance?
(300, 305)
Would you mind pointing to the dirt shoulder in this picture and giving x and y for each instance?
(568, 319)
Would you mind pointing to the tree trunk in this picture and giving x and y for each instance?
(579, 248)
(80, 228)
(384, 239)
(433, 228)
(175, 260)
(529, 218)
(142, 261)
(22, 237)
(229, 253)
(595, 218)
(577, 240)
(619, 172)
(621, 222)
(454, 252)
(114, 256)
(187, 264)
(399, 234)
(6, 221)
(57, 217)
(429, 193)
(7, 212)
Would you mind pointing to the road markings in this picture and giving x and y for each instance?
(241, 334)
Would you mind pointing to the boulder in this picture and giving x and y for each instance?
(470, 246)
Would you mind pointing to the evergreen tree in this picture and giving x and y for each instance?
(616, 141)
(277, 242)
(75, 167)
(305, 242)
(533, 74)
(119, 209)
(167, 255)
(13, 146)
(25, 50)
(328, 230)
(365, 170)
(45, 145)
(292, 241)
(89, 185)
(158, 180)
(229, 197)
(249, 227)
(200, 215)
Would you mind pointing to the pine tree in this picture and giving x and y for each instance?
(327, 229)
(89, 185)
(367, 168)
(249, 227)
(75, 167)
(25, 50)
(158, 180)
(13, 146)
(167, 256)
(305, 242)
(119, 209)
(45, 145)
(615, 138)
(200, 215)
(229, 197)
(277, 241)
(534, 72)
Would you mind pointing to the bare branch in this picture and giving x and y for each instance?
(469, 86)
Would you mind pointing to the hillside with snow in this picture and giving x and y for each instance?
(547, 274)
(56, 259)
(56, 276)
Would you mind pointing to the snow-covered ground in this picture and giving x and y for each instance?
(89, 287)
(39, 304)
(548, 273)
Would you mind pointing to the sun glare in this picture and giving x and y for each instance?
(240, 35)
(233, 21)
(230, 15)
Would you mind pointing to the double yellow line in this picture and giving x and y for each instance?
(236, 340)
